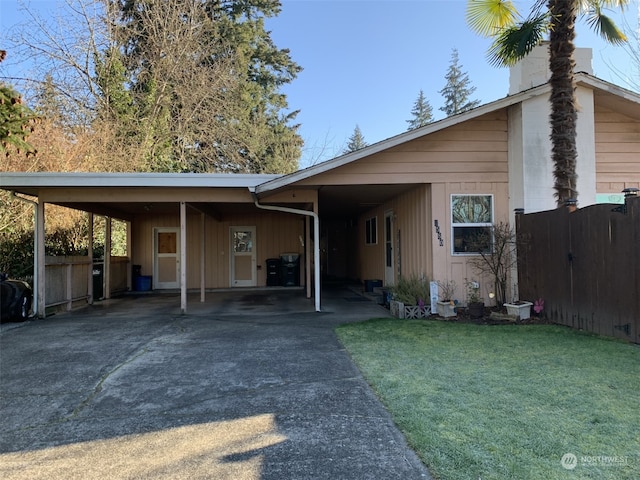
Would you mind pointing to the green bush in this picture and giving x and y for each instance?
(411, 290)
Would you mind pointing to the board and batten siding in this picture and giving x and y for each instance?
(617, 147)
(276, 233)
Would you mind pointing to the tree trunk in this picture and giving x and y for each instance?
(563, 101)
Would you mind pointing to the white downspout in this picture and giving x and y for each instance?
(316, 243)
(34, 303)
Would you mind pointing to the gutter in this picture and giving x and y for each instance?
(316, 243)
(34, 303)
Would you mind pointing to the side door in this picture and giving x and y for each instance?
(166, 257)
(243, 257)
(389, 263)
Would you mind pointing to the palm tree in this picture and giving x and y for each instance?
(514, 37)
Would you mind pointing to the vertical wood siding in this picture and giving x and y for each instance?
(276, 233)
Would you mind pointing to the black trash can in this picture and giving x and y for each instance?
(273, 272)
(98, 281)
(290, 269)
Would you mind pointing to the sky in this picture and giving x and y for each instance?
(365, 61)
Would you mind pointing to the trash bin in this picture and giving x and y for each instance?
(98, 281)
(142, 283)
(290, 269)
(273, 272)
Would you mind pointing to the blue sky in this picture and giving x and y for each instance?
(365, 62)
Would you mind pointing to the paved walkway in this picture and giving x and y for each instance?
(248, 385)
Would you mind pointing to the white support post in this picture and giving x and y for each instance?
(107, 258)
(202, 256)
(90, 291)
(183, 257)
(40, 274)
(307, 254)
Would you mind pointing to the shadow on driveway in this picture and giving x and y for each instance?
(239, 389)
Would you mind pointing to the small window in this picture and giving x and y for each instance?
(471, 222)
(371, 233)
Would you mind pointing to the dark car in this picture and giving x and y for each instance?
(15, 299)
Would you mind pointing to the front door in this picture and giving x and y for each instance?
(243, 257)
(389, 278)
(166, 257)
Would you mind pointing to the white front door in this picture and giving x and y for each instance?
(389, 264)
(166, 257)
(243, 257)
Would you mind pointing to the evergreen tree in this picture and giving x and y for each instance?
(422, 113)
(458, 89)
(16, 120)
(356, 141)
(211, 89)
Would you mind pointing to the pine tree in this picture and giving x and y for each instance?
(458, 89)
(422, 113)
(212, 87)
(356, 141)
(16, 120)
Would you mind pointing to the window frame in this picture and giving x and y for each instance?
(371, 233)
(455, 225)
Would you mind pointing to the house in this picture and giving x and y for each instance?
(406, 205)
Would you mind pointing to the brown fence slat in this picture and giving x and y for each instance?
(585, 265)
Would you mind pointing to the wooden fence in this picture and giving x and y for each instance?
(585, 265)
(68, 278)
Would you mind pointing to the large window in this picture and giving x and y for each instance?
(371, 234)
(471, 221)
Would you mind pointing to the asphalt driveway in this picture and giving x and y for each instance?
(233, 390)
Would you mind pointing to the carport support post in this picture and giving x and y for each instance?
(203, 251)
(183, 257)
(90, 291)
(106, 280)
(39, 247)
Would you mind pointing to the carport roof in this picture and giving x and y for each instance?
(29, 183)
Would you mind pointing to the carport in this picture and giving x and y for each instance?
(187, 205)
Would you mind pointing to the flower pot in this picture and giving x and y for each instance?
(446, 309)
(476, 309)
(520, 310)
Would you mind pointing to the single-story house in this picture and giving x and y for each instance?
(398, 207)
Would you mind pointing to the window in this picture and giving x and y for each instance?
(371, 233)
(471, 222)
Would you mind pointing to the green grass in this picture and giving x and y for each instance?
(505, 402)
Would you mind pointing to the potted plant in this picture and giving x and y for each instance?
(446, 303)
(408, 297)
(519, 309)
(475, 303)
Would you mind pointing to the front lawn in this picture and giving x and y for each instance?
(506, 401)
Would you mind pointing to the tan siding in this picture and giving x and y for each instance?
(617, 138)
(276, 233)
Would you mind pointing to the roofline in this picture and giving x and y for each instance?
(10, 180)
(509, 100)
(400, 139)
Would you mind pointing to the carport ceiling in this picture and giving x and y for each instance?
(348, 201)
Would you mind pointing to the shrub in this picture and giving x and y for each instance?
(411, 290)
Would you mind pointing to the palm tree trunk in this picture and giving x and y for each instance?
(564, 115)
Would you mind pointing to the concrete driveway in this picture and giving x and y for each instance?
(248, 385)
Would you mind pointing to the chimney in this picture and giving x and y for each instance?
(533, 70)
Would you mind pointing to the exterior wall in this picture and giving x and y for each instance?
(276, 233)
(617, 147)
(475, 150)
(455, 267)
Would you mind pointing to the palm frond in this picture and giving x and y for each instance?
(487, 17)
(604, 26)
(513, 44)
